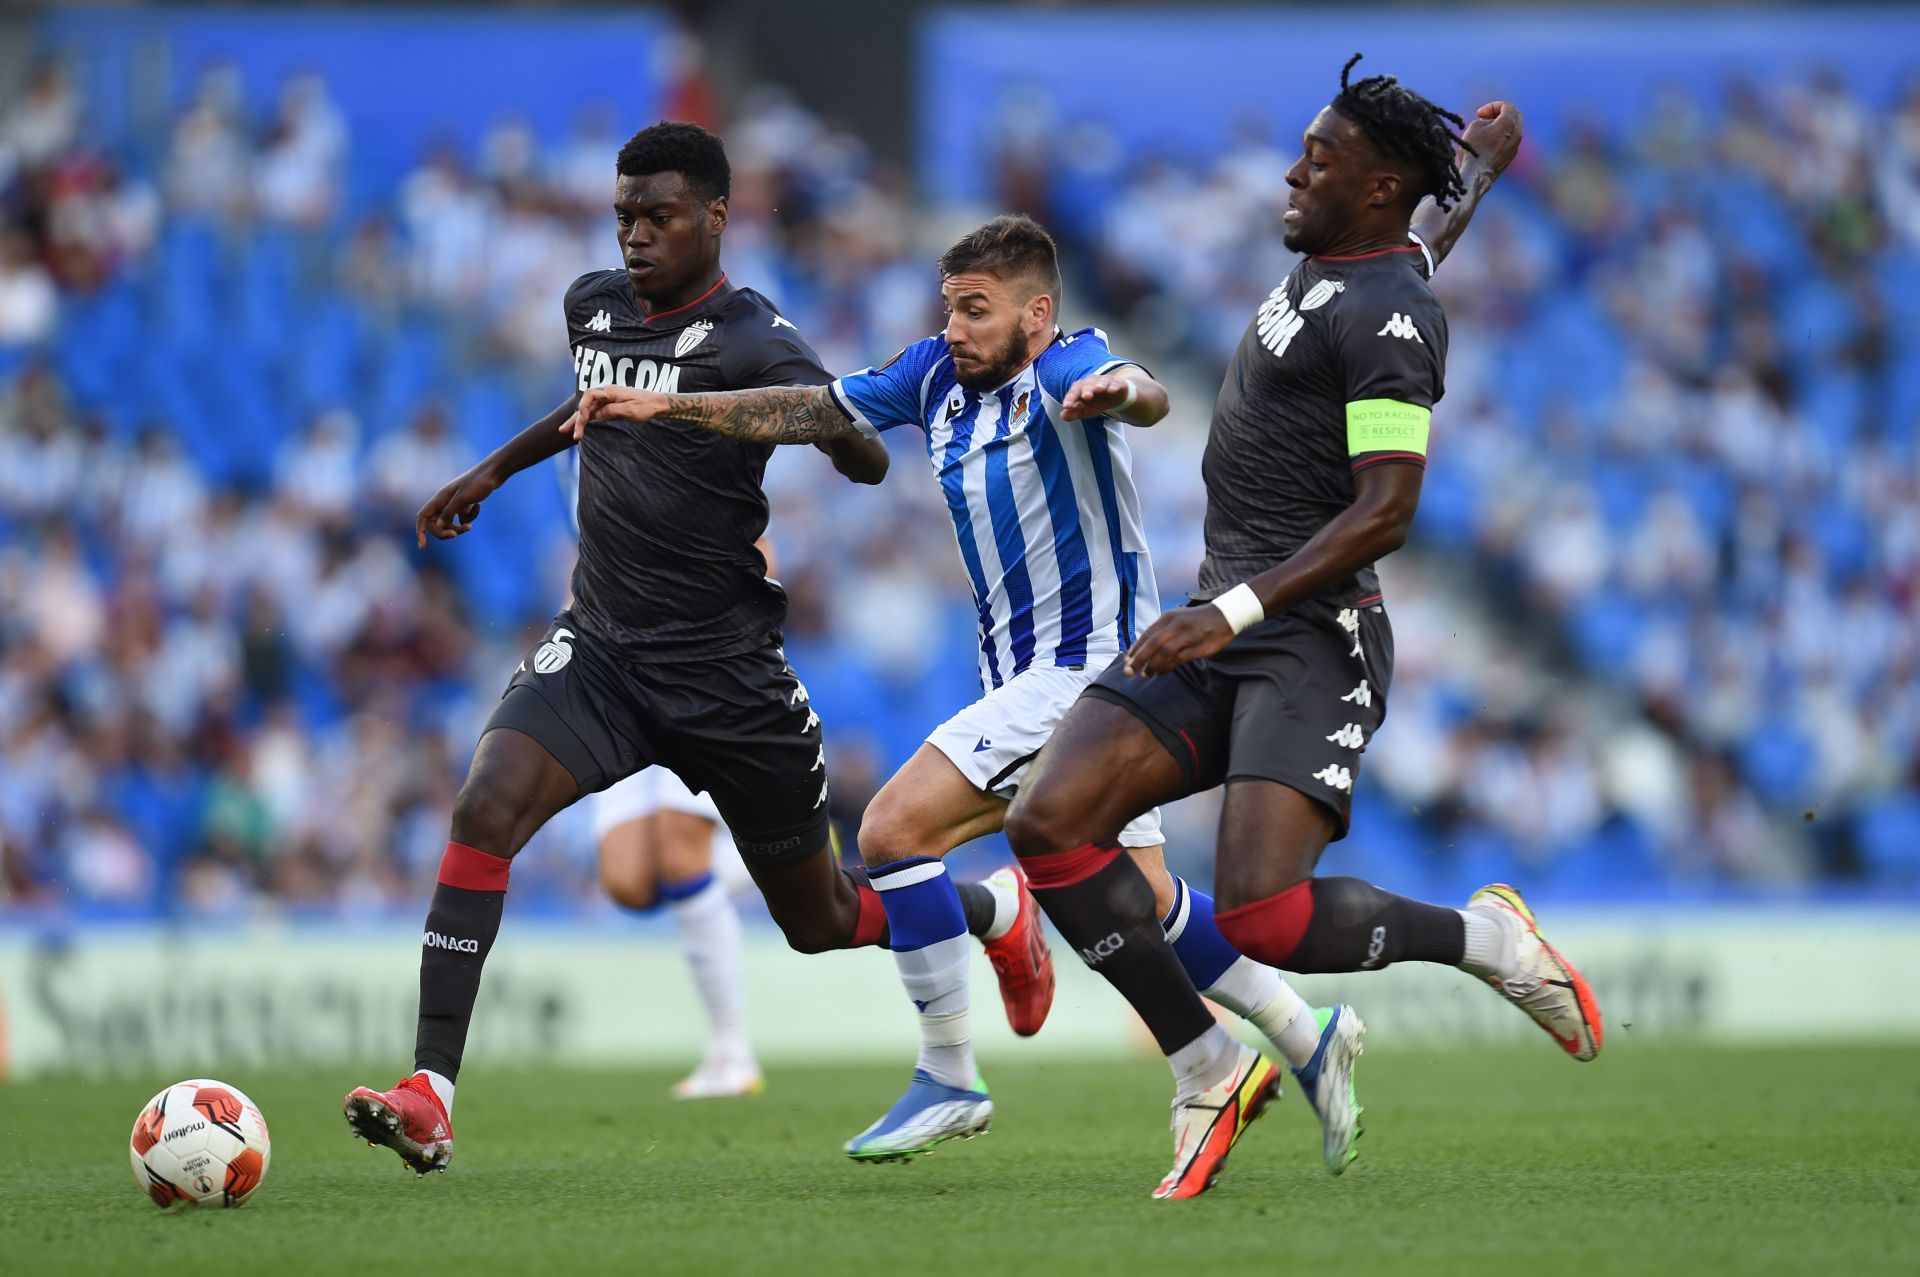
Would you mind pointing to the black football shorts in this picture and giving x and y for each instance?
(1294, 699)
(738, 727)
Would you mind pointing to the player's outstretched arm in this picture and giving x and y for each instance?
(1374, 526)
(452, 510)
(1126, 394)
(774, 414)
(1494, 135)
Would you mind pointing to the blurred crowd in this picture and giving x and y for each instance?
(225, 672)
(1663, 634)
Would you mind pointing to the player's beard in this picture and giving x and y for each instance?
(997, 368)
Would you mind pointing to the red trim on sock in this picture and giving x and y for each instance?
(872, 922)
(1064, 868)
(471, 869)
(1268, 931)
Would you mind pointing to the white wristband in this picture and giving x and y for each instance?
(1133, 393)
(1242, 607)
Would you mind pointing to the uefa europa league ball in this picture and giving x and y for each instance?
(200, 1141)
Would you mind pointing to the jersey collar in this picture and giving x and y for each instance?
(1362, 257)
(712, 297)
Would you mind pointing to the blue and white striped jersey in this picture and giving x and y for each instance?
(1045, 510)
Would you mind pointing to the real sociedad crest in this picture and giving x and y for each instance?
(692, 335)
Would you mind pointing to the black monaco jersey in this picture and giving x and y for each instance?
(1278, 466)
(668, 512)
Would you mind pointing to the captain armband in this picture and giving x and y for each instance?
(1387, 425)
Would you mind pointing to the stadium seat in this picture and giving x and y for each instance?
(1887, 835)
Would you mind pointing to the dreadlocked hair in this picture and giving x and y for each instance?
(1401, 123)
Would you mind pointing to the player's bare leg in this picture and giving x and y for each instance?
(817, 905)
(1103, 768)
(1273, 908)
(513, 787)
(666, 858)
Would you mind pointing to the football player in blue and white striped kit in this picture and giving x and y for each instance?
(1024, 428)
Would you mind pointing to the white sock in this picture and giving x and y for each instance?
(1006, 905)
(1492, 944)
(442, 1087)
(1262, 996)
(936, 979)
(710, 939)
(1206, 1061)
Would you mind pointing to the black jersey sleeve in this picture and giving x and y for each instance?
(578, 305)
(1391, 353)
(769, 351)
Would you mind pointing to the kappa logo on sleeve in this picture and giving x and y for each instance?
(600, 323)
(1401, 326)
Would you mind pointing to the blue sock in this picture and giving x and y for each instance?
(927, 930)
(1236, 981)
(1196, 938)
(674, 892)
(923, 906)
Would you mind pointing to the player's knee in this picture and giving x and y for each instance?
(1040, 825)
(886, 836)
(486, 819)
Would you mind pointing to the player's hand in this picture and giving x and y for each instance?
(613, 401)
(1494, 133)
(1182, 635)
(454, 508)
(1094, 397)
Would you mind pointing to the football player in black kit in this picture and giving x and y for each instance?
(1275, 679)
(671, 651)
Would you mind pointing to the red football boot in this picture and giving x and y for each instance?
(1022, 961)
(408, 1119)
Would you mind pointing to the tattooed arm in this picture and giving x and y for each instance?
(777, 414)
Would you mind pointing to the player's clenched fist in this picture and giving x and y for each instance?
(1494, 134)
(1182, 635)
(613, 401)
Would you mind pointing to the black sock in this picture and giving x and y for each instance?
(978, 903)
(1358, 927)
(461, 926)
(1109, 919)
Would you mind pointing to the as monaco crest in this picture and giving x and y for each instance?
(553, 654)
(692, 335)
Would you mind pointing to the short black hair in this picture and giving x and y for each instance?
(676, 146)
(1403, 125)
(1010, 246)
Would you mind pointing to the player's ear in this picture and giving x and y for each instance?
(1386, 190)
(1040, 313)
(717, 215)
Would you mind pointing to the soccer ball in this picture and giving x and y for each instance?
(200, 1141)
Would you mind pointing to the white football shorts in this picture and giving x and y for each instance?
(994, 740)
(647, 791)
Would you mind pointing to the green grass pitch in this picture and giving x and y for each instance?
(1652, 1161)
